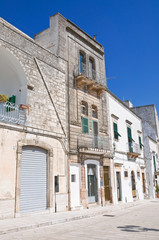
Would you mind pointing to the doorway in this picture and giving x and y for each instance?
(118, 180)
(106, 183)
(75, 185)
(92, 183)
(133, 184)
(143, 183)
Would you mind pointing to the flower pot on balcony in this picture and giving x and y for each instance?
(3, 98)
(22, 106)
(157, 195)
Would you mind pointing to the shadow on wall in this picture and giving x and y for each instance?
(133, 228)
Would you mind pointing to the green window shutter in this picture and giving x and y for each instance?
(116, 134)
(154, 161)
(140, 143)
(129, 133)
(115, 127)
(85, 128)
(115, 131)
(130, 139)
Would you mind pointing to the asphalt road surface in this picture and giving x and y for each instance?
(137, 222)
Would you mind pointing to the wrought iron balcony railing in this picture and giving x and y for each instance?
(11, 113)
(133, 147)
(93, 142)
(83, 69)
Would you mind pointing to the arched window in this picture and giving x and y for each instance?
(13, 81)
(94, 111)
(84, 108)
(82, 62)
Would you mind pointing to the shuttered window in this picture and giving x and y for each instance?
(116, 134)
(140, 143)
(130, 139)
(85, 128)
(154, 161)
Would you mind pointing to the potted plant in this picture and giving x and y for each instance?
(157, 191)
(3, 98)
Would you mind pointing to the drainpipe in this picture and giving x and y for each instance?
(68, 99)
(114, 147)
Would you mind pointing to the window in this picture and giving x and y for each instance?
(85, 128)
(94, 111)
(154, 162)
(125, 174)
(73, 178)
(56, 183)
(84, 108)
(116, 134)
(82, 63)
(91, 68)
(140, 143)
(85, 88)
(130, 140)
(138, 174)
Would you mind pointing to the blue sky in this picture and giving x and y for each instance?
(128, 30)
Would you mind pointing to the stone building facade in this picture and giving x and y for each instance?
(90, 160)
(33, 132)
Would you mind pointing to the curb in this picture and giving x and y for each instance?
(69, 219)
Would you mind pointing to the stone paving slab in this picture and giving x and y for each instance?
(47, 219)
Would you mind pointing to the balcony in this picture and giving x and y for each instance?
(89, 143)
(90, 78)
(12, 113)
(133, 150)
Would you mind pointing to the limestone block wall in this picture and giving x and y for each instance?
(46, 124)
(10, 142)
(44, 72)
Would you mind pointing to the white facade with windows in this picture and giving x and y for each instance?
(127, 142)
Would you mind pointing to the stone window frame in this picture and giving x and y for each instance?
(84, 104)
(94, 109)
(49, 149)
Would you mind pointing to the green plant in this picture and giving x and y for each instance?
(157, 188)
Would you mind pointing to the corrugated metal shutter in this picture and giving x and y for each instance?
(33, 195)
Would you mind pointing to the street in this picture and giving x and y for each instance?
(137, 222)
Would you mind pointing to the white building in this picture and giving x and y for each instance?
(149, 116)
(127, 138)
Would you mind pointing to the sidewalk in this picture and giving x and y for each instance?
(46, 219)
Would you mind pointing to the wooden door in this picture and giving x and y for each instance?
(106, 184)
(143, 182)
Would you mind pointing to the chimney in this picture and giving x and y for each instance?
(128, 103)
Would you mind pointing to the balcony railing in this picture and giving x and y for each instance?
(83, 69)
(11, 113)
(133, 147)
(93, 142)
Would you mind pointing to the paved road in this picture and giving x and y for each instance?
(138, 222)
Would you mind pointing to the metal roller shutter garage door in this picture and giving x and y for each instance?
(33, 195)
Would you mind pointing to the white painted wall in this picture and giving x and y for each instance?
(154, 151)
(121, 148)
(75, 185)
